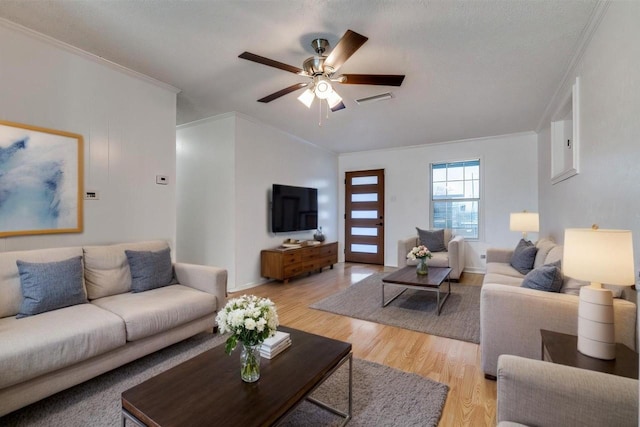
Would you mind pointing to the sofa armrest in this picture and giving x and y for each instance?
(404, 246)
(511, 318)
(205, 278)
(499, 255)
(456, 256)
(543, 394)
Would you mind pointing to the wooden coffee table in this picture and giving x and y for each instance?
(409, 279)
(207, 390)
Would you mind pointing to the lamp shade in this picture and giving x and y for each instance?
(524, 221)
(599, 256)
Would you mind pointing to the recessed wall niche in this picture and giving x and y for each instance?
(565, 136)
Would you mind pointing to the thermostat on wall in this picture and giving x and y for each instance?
(162, 179)
(91, 195)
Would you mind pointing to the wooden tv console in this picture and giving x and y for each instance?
(284, 263)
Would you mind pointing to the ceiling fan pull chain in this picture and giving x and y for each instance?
(320, 114)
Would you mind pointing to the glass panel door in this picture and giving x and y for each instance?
(364, 217)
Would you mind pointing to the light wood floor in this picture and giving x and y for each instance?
(471, 400)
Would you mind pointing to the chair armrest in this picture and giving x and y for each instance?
(543, 394)
(205, 278)
(404, 246)
(511, 318)
(456, 256)
(499, 255)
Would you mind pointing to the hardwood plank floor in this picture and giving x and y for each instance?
(471, 400)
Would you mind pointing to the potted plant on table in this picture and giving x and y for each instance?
(420, 253)
(250, 320)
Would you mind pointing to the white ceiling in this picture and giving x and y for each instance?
(473, 68)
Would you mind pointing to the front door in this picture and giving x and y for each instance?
(364, 217)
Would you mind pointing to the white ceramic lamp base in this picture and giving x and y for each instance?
(596, 332)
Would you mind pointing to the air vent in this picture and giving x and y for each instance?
(374, 98)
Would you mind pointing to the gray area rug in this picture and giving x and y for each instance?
(414, 309)
(382, 396)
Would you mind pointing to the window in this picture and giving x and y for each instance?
(455, 197)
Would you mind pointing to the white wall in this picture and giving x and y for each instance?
(128, 125)
(206, 192)
(244, 158)
(508, 184)
(607, 189)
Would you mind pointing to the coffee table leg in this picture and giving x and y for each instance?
(349, 413)
(126, 415)
(386, 303)
(446, 295)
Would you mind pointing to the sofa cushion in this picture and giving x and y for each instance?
(524, 256)
(555, 255)
(503, 269)
(10, 290)
(502, 279)
(158, 310)
(439, 259)
(545, 278)
(572, 286)
(56, 339)
(432, 239)
(106, 269)
(48, 286)
(544, 247)
(150, 270)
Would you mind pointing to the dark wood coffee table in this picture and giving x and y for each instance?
(409, 279)
(207, 390)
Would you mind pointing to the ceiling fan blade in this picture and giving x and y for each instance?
(348, 44)
(373, 79)
(283, 92)
(338, 107)
(271, 63)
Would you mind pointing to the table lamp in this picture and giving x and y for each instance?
(598, 256)
(524, 221)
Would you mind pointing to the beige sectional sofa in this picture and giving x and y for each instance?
(543, 394)
(453, 257)
(48, 352)
(511, 316)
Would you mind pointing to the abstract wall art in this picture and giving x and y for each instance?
(40, 180)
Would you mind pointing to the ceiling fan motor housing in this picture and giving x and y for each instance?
(314, 65)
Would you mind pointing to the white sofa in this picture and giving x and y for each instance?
(453, 257)
(511, 316)
(543, 394)
(51, 351)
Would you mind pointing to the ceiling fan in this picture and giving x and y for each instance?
(321, 70)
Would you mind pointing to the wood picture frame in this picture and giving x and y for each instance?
(41, 180)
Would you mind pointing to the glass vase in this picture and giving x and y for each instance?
(250, 362)
(422, 269)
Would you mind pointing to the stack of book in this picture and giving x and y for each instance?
(275, 345)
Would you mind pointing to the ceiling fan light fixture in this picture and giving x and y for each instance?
(334, 99)
(323, 87)
(307, 97)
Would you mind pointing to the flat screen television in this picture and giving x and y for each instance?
(293, 208)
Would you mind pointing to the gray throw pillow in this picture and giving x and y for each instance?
(432, 239)
(48, 286)
(524, 255)
(545, 278)
(150, 270)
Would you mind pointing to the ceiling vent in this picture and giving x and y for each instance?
(374, 98)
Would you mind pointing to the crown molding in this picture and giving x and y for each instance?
(82, 53)
(581, 46)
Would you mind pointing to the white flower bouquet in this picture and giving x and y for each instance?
(250, 320)
(419, 252)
